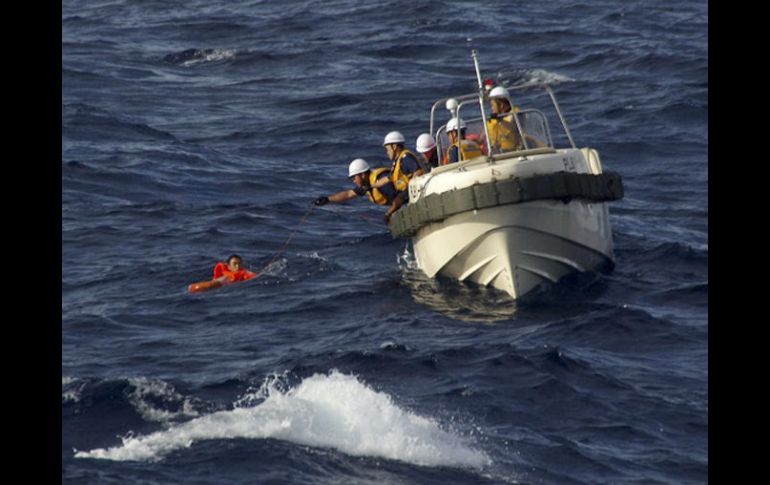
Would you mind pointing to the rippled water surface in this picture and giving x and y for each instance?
(193, 130)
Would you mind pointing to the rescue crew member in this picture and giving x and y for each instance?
(406, 164)
(467, 148)
(365, 178)
(233, 271)
(426, 146)
(503, 132)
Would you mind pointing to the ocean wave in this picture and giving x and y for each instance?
(329, 411)
(191, 57)
(670, 253)
(619, 328)
(531, 77)
(71, 389)
(82, 122)
(154, 400)
(157, 400)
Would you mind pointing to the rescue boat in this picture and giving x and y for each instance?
(515, 219)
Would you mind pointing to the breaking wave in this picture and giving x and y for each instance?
(334, 411)
(191, 57)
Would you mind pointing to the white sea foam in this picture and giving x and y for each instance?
(146, 391)
(334, 411)
(211, 55)
(313, 255)
(276, 268)
(536, 76)
(406, 260)
(73, 389)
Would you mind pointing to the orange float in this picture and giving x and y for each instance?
(204, 286)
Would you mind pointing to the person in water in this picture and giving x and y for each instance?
(374, 183)
(224, 273)
(232, 271)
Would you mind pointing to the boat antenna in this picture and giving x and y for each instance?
(475, 54)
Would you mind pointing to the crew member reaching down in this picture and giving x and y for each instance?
(374, 183)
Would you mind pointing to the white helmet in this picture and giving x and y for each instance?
(499, 92)
(357, 166)
(452, 125)
(394, 137)
(425, 143)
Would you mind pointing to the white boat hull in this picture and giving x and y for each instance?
(515, 247)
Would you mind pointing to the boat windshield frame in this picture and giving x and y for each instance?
(473, 99)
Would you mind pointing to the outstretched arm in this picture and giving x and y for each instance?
(336, 198)
(343, 196)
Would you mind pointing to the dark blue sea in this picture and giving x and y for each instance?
(196, 129)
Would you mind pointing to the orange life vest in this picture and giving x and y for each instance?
(221, 270)
(470, 149)
(375, 195)
(399, 178)
(504, 134)
(232, 276)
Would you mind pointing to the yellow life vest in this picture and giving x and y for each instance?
(470, 149)
(400, 179)
(374, 194)
(503, 134)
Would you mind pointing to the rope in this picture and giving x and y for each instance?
(288, 240)
(370, 220)
(375, 221)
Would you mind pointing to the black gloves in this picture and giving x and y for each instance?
(323, 200)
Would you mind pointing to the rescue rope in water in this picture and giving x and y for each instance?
(288, 240)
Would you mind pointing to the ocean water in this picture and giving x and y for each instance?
(192, 130)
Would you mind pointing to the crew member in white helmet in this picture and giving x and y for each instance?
(426, 146)
(406, 164)
(503, 132)
(365, 178)
(460, 148)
